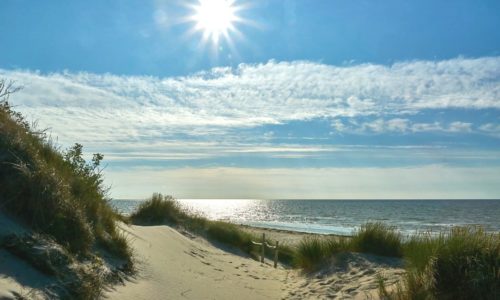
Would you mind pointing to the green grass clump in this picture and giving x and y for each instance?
(314, 252)
(230, 234)
(377, 238)
(158, 209)
(310, 252)
(463, 263)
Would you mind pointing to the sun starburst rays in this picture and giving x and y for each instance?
(216, 19)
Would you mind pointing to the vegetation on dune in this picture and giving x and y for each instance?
(374, 238)
(463, 263)
(378, 239)
(56, 193)
(161, 209)
(314, 252)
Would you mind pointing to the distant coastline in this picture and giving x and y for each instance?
(343, 217)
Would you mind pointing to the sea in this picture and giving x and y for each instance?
(344, 217)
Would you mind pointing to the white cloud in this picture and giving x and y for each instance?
(460, 127)
(397, 124)
(491, 128)
(425, 127)
(111, 110)
(261, 94)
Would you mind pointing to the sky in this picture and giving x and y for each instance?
(299, 99)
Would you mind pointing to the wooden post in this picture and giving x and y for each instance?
(263, 245)
(276, 255)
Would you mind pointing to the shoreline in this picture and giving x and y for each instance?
(285, 237)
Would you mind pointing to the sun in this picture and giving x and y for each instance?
(215, 18)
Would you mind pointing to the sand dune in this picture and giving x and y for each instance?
(16, 276)
(181, 266)
(178, 265)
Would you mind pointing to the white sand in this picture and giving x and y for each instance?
(175, 266)
(180, 266)
(16, 276)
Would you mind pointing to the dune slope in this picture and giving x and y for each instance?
(175, 265)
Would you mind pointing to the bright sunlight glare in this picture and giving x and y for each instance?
(215, 18)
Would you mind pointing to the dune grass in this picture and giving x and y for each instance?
(463, 263)
(55, 192)
(378, 239)
(310, 252)
(374, 238)
(161, 209)
(158, 210)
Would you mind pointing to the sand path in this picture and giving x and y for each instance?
(174, 265)
(177, 266)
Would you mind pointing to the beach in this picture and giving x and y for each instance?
(175, 264)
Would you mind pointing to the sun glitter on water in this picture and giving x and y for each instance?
(215, 18)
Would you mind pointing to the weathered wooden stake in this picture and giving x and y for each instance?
(263, 245)
(276, 255)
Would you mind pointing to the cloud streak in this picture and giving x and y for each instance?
(212, 113)
(252, 95)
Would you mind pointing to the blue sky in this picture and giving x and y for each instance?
(305, 99)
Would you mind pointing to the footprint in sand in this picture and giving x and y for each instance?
(335, 288)
(368, 272)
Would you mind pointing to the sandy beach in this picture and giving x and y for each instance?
(177, 265)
